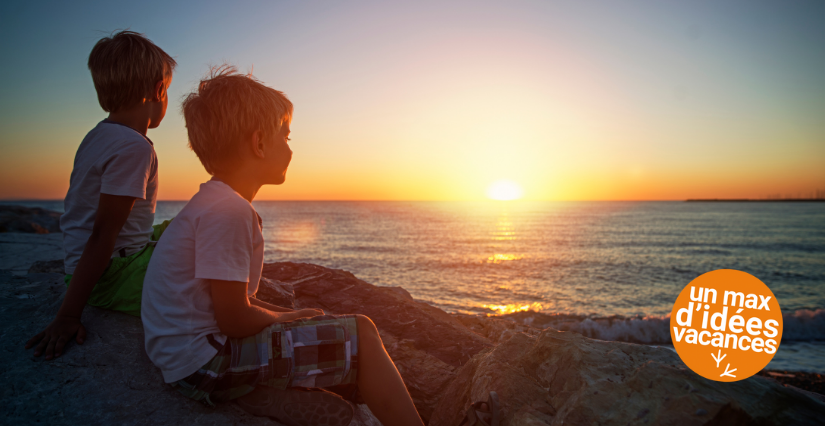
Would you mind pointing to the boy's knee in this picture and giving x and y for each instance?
(365, 325)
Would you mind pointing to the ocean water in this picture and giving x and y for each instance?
(610, 270)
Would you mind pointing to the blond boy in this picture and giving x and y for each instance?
(110, 206)
(210, 338)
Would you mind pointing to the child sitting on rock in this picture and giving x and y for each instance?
(211, 339)
(107, 227)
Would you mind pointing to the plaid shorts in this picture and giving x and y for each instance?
(318, 352)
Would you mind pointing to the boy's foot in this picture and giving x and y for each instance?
(298, 406)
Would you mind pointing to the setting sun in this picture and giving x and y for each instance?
(504, 190)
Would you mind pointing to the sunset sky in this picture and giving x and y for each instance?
(584, 100)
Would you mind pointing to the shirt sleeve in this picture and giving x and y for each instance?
(224, 243)
(127, 172)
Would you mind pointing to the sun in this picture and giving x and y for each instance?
(504, 190)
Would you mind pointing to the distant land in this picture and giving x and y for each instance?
(753, 200)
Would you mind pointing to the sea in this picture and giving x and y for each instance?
(609, 270)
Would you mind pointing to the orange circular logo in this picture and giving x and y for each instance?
(726, 325)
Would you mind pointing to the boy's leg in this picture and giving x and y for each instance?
(318, 359)
(379, 382)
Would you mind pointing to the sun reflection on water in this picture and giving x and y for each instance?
(296, 234)
(500, 258)
(504, 229)
(513, 307)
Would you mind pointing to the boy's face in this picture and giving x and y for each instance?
(278, 156)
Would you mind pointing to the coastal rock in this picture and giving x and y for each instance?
(47, 267)
(28, 219)
(495, 329)
(18, 250)
(109, 380)
(276, 293)
(426, 343)
(560, 378)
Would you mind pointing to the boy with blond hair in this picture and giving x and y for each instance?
(107, 227)
(211, 339)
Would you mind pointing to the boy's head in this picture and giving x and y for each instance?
(235, 122)
(128, 70)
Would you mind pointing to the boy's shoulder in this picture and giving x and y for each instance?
(108, 135)
(219, 202)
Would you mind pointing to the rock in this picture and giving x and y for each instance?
(424, 375)
(495, 329)
(276, 293)
(107, 380)
(426, 343)
(19, 251)
(28, 219)
(47, 267)
(810, 382)
(560, 378)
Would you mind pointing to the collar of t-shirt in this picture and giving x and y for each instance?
(107, 121)
(260, 221)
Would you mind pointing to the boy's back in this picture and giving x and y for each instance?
(109, 208)
(117, 160)
(217, 235)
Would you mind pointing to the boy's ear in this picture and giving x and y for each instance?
(160, 91)
(257, 144)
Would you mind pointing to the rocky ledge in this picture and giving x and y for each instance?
(543, 377)
(28, 219)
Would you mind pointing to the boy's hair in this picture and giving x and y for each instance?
(225, 110)
(125, 66)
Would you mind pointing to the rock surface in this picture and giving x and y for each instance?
(108, 380)
(19, 251)
(28, 219)
(426, 343)
(560, 378)
(276, 293)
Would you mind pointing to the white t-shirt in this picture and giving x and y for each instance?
(117, 160)
(216, 236)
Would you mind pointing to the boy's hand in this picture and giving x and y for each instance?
(56, 335)
(309, 313)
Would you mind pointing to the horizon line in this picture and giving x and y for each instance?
(5, 200)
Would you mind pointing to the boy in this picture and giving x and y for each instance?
(110, 206)
(211, 339)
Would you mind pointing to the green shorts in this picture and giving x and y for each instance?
(318, 352)
(121, 286)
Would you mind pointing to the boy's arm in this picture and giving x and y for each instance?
(112, 212)
(238, 317)
(268, 306)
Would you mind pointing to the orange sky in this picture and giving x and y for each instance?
(437, 102)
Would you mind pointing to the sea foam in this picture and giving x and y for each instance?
(801, 325)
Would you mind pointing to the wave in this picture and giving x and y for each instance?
(800, 325)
